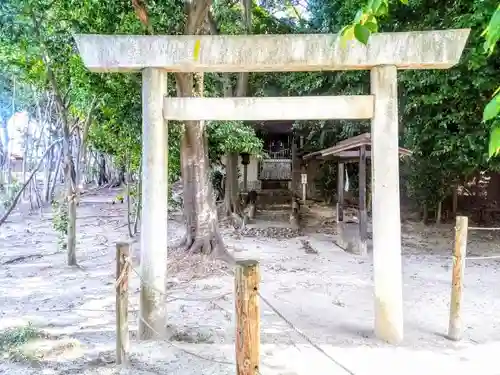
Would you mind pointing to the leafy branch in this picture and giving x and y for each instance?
(365, 23)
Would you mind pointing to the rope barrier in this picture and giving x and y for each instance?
(483, 258)
(185, 350)
(483, 228)
(299, 332)
(78, 309)
(304, 336)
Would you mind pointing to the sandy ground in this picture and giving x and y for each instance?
(328, 296)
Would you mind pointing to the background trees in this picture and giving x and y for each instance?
(441, 111)
(445, 116)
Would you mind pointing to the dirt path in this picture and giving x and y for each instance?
(326, 295)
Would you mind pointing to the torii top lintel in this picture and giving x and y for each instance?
(269, 53)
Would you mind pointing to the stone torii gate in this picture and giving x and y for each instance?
(384, 55)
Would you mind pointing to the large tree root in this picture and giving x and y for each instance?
(237, 220)
(210, 244)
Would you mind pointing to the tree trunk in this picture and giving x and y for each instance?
(439, 212)
(121, 175)
(4, 138)
(188, 189)
(204, 202)
(231, 196)
(202, 230)
(103, 178)
(70, 180)
(200, 212)
(20, 192)
(25, 158)
(454, 204)
(57, 169)
(425, 216)
(202, 234)
(47, 176)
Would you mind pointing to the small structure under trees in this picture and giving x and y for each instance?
(352, 150)
(384, 54)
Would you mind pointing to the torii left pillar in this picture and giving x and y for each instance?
(154, 238)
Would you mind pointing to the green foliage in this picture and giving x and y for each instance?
(232, 136)
(492, 32)
(8, 193)
(493, 107)
(441, 111)
(40, 31)
(60, 221)
(174, 152)
(326, 180)
(365, 23)
(12, 338)
(494, 141)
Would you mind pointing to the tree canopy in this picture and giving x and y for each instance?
(447, 116)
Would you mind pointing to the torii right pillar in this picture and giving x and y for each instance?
(385, 206)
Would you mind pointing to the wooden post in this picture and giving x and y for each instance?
(340, 193)
(122, 276)
(368, 186)
(387, 272)
(246, 284)
(363, 216)
(459, 254)
(303, 180)
(342, 239)
(294, 167)
(154, 219)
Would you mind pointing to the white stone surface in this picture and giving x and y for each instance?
(386, 219)
(154, 217)
(269, 108)
(299, 52)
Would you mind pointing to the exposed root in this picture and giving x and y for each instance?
(251, 211)
(294, 221)
(249, 215)
(295, 215)
(20, 259)
(246, 220)
(185, 243)
(237, 220)
(202, 246)
(211, 244)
